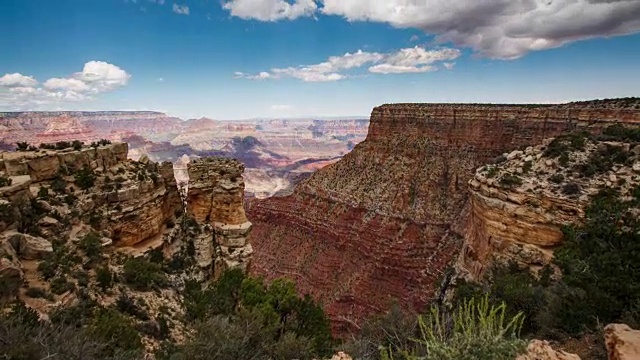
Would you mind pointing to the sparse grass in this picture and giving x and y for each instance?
(510, 180)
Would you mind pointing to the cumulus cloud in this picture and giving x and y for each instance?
(181, 9)
(17, 90)
(270, 10)
(17, 80)
(504, 29)
(410, 60)
(414, 60)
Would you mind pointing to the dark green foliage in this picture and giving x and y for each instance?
(85, 178)
(571, 189)
(492, 171)
(563, 144)
(510, 180)
(104, 278)
(557, 178)
(43, 193)
(91, 245)
(77, 145)
(527, 166)
(602, 160)
(281, 310)
(143, 275)
(22, 146)
(38, 293)
(127, 305)
(60, 285)
(59, 185)
(115, 331)
(602, 259)
(5, 181)
(620, 133)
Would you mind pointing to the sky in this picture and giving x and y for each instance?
(240, 59)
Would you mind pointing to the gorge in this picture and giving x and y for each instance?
(385, 222)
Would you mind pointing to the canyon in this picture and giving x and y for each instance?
(277, 153)
(385, 222)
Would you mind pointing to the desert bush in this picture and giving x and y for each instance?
(510, 180)
(115, 331)
(91, 245)
(127, 305)
(60, 285)
(561, 145)
(571, 189)
(5, 181)
(22, 146)
(85, 178)
(104, 278)
(143, 275)
(556, 178)
(77, 145)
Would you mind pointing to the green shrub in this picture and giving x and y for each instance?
(77, 145)
(104, 278)
(556, 178)
(85, 178)
(59, 185)
(22, 146)
(115, 331)
(5, 181)
(510, 180)
(571, 189)
(38, 293)
(91, 245)
(527, 166)
(143, 275)
(481, 331)
(60, 285)
(127, 305)
(492, 171)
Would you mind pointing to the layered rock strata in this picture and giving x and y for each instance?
(384, 222)
(215, 198)
(518, 207)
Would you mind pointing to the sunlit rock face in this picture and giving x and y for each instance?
(215, 198)
(386, 220)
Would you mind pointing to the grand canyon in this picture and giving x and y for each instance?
(320, 180)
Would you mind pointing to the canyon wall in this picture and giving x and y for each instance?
(384, 223)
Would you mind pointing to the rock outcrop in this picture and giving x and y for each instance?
(49, 195)
(384, 222)
(518, 207)
(623, 343)
(541, 350)
(215, 198)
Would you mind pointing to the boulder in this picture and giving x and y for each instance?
(541, 350)
(623, 343)
(29, 247)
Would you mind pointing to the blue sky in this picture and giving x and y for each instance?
(234, 59)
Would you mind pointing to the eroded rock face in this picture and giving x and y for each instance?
(623, 343)
(215, 198)
(522, 222)
(541, 350)
(385, 221)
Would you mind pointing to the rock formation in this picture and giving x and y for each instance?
(384, 222)
(215, 198)
(623, 343)
(49, 195)
(523, 221)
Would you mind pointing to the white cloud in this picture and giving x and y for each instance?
(15, 79)
(96, 77)
(410, 60)
(449, 66)
(414, 60)
(414, 38)
(181, 9)
(66, 84)
(504, 29)
(270, 10)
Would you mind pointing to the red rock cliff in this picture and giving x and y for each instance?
(384, 222)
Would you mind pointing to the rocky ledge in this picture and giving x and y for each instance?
(519, 205)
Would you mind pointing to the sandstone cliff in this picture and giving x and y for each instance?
(215, 198)
(386, 220)
(518, 207)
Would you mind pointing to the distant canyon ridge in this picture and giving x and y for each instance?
(278, 153)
